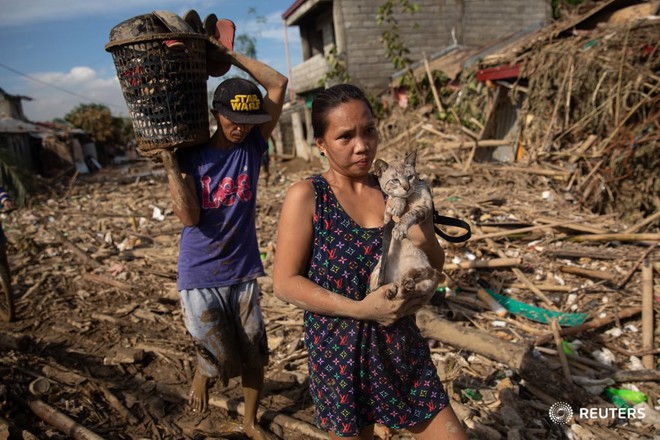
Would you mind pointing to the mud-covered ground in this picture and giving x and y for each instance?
(94, 269)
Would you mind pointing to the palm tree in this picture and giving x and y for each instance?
(14, 179)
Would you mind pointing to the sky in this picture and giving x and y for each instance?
(54, 51)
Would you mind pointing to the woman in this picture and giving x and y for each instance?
(368, 362)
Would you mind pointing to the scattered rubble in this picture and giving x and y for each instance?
(564, 240)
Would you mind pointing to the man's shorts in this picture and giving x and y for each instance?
(228, 327)
(3, 237)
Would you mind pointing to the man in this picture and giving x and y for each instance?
(213, 188)
(7, 205)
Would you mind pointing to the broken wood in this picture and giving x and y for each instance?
(616, 237)
(82, 257)
(484, 264)
(637, 376)
(101, 279)
(594, 254)
(516, 231)
(639, 225)
(598, 274)
(429, 75)
(517, 356)
(521, 276)
(264, 415)
(560, 351)
(117, 405)
(621, 284)
(647, 314)
(468, 144)
(574, 226)
(61, 421)
(591, 325)
(546, 287)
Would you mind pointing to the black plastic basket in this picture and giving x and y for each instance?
(163, 80)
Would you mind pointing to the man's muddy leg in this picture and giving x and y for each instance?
(253, 381)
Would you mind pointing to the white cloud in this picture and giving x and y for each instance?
(67, 90)
(20, 13)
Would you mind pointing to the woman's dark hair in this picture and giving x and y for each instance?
(330, 98)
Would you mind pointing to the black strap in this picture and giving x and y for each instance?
(451, 221)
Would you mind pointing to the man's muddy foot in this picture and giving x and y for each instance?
(199, 392)
(256, 432)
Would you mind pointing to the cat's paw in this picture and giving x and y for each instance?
(407, 286)
(399, 232)
(396, 206)
(391, 291)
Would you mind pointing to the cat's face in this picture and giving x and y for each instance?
(397, 179)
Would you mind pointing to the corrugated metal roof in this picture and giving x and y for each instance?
(292, 8)
(16, 126)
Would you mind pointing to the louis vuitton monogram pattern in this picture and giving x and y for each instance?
(361, 372)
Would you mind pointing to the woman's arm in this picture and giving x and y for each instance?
(182, 190)
(294, 243)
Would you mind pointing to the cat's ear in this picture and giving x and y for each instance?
(379, 167)
(411, 158)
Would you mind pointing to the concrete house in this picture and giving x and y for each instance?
(348, 31)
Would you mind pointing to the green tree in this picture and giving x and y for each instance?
(14, 179)
(395, 49)
(96, 120)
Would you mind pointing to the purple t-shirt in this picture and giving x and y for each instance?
(222, 249)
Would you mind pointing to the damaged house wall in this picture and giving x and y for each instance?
(351, 27)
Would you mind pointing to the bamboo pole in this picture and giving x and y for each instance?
(598, 274)
(61, 421)
(485, 264)
(591, 325)
(546, 287)
(630, 273)
(492, 303)
(560, 351)
(617, 237)
(647, 314)
(637, 226)
(521, 276)
(489, 143)
(429, 75)
(117, 405)
(516, 231)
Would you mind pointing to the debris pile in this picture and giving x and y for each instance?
(592, 107)
(551, 307)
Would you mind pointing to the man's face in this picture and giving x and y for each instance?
(233, 132)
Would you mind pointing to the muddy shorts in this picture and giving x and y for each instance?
(228, 327)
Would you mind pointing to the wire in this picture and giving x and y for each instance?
(54, 86)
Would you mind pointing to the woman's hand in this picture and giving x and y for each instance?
(384, 311)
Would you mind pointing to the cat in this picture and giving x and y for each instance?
(409, 200)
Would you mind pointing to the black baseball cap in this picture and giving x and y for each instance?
(240, 101)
